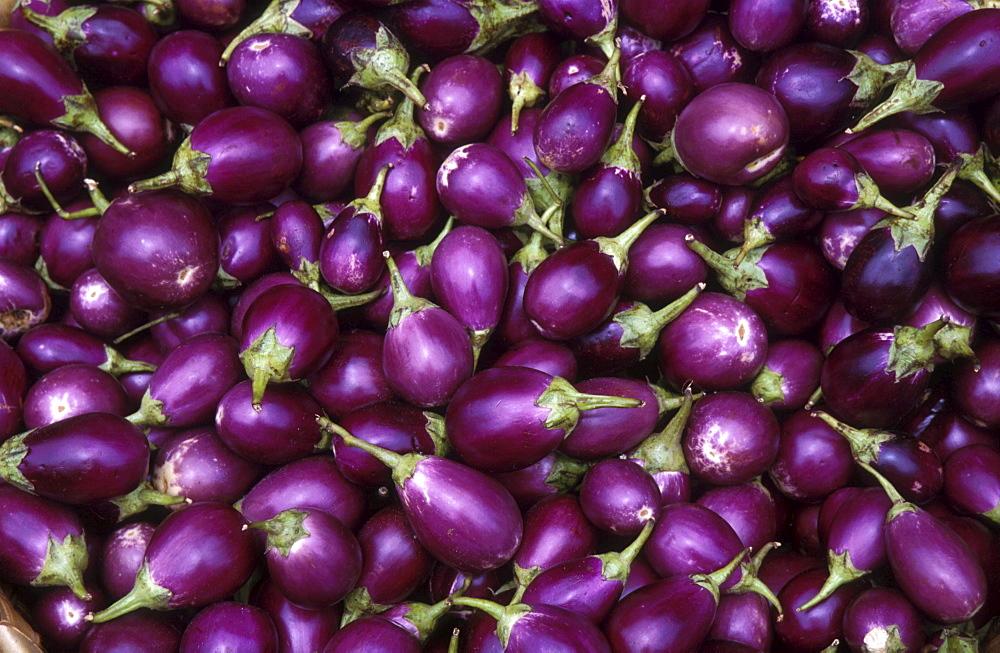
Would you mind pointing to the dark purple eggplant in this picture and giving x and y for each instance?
(576, 126)
(899, 161)
(312, 482)
(312, 557)
(283, 73)
(121, 556)
(687, 199)
(83, 459)
(790, 375)
(619, 496)
(662, 267)
(544, 355)
(100, 310)
(840, 24)
(831, 179)
(730, 438)
(330, 153)
(940, 76)
(188, 384)
(552, 475)
(73, 390)
(349, 48)
(196, 464)
(352, 377)
(44, 159)
(289, 332)
(711, 55)
(43, 542)
(108, 44)
(245, 250)
(24, 299)
(813, 460)
(65, 247)
(197, 556)
(528, 65)
(43, 89)
(305, 18)
(185, 79)
(671, 614)
(210, 314)
(718, 343)
(165, 272)
(820, 626)
(523, 628)
(19, 235)
(776, 213)
(238, 155)
(882, 617)
(749, 508)
(59, 615)
(372, 634)
(50, 346)
(299, 629)
(13, 385)
(766, 26)
(742, 619)
(969, 267)
(132, 631)
(530, 414)
(231, 625)
(933, 566)
(479, 532)
(971, 480)
(555, 531)
(841, 231)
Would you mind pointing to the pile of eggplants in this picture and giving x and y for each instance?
(500, 325)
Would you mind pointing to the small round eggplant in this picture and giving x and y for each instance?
(73, 390)
(555, 531)
(882, 617)
(197, 556)
(299, 629)
(54, 157)
(132, 631)
(100, 310)
(185, 79)
(464, 95)
(972, 480)
(712, 56)
(122, 555)
(619, 496)
(544, 355)
(818, 627)
(233, 626)
(528, 65)
(522, 628)
(662, 267)
(372, 634)
(13, 385)
(552, 475)
(330, 154)
(730, 438)
(813, 460)
(133, 117)
(790, 375)
(352, 377)
(59, 616)
(749, 508)
(196, 464)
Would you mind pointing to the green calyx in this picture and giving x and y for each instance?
(371, 203)
(358, 603)
(617, 247)
(750, 583)
(565, 403)
(913, 349)
(768, 386)
(842, 571)
(737, 272)
(506, 617)
(610, 77)
(566, 473)
(662, 452)
(755, 234)
(531, 255)
(116, 364)
(869, 196)
(918, 232)
(384, 67)
(66, 29)
(899, 504)
(524, 93)
(425, 253)
(500, 21)
(909, 94)
(615, 565)
(865, 443)
(81, 115)
(641, 326)
(275, 19)
(621, 154)
(871, 78)
(971, 169)
(12, 453)
(150, 412)
(284, 530)
(425, 617)
(64, 565)
(266, 360)
(355, 134)
(145, 594)
(401, 125)
(188, 173)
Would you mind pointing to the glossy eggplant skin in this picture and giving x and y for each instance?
(946, 58)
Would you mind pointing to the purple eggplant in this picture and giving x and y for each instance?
(575, 127)
(371, 634)
(790, 375)
(197, 556)
(831, 179)
(133, 631)
(245, 250)
(427, 354)
(899, 161)
(82, 459)
(215, 159)
(299, 629)
(933, 566)
(73, 390)
(231, 625)
(24, 299)
(555, 531)
(522, 628)
(65, 247)
(19, 235)
(840, 24)
(165, 272)
(971, 480)
(59, 615)
(619, 496)
(662, 455)
(662, 267)
(969, 267)
(312, 482)
(528, 65)
(305, 18)
(122, 555)
(538, 412)
(665, 83)
(98, 309)
(742, 619)
(766, 26)
(42, 160)
(544, 355)
(289, 332)
(730, 438)
(283, 73)
(882, 617)
(841, 231)
(464, 95)
(50, 346)
(210, 314)
(718, 343)
(190, 381)
(576, 288)
(312, 557)
(671, 614)
(43, 88)
(820, 626)
(813, 460)
(330, 153)
(687, 199)
(184, 77)
(777, 213)
(108, 44)
(481, 531)
(940, 76)
(349, 48)
(712, 56)
(43, 542)
(749, 508)
(554, 474)
(352, 377)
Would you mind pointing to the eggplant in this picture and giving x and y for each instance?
(230, 625)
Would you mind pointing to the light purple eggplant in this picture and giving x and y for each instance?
(544, 355)
(478, 533)
(197, 556)
(99, 309)
(196, 464)
(281, 430)
(188, 385)
(352, 377)
(299, 629)
(215, 158)
(619, 497)
(522, 628)
(671, 614)
(121, 556)
(790, 375)
(820, 626)
(73, 390)
(555, 531)
(312, 557)
(24, 299)
(538, 412)
(288, 333)
(576, 288)
(230, 625)
(662, 455)
(730, 438)
(552, 475)
(464, 94)
(972, 482)
(749, 508)
(575, 127)
(813, 460)
(933, 566)
(43, 542)
(469, 278)
(939, 76)
(142, 630)
(282, 73)
(87, 458)
(589, 585)
(427, 354)
(44, 90)
(881, 616)
(330, 154)
(169, 271)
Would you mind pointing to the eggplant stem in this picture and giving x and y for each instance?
(147, 325)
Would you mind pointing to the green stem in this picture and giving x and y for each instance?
(491, 608)
(148, 325)
(168, 179)
(390, 459)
